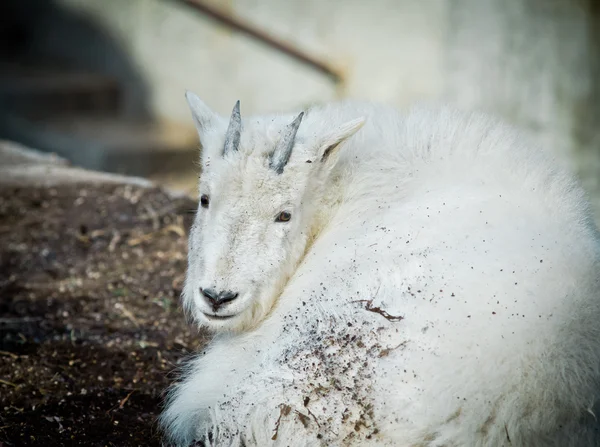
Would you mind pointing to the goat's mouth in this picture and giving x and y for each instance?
(218, 317)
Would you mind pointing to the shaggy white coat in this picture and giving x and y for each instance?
(452, 221)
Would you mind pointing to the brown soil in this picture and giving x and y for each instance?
(90, 324)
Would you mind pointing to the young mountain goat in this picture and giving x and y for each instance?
(428, 280)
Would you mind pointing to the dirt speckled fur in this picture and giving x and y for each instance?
(436, 286)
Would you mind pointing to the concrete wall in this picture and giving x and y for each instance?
(534, 62)
(387, 52)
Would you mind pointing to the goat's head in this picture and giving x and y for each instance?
(262, 182)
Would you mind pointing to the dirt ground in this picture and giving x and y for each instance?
(91, 331)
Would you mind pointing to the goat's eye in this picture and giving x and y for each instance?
(204, 201)
(284, 216)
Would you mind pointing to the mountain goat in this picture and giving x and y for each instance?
(428, 280)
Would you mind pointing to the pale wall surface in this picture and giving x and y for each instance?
(388, 52)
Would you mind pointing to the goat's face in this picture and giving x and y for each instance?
(260, 187)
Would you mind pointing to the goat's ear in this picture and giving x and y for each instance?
(330, 145)
(204, 117)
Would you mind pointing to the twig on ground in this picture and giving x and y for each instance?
(18, 320)
(127, 314)
(9, 354)
(124, 401)
(114, 241)
(149, 236)
(6, 382)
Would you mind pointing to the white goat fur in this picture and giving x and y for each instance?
(451, 220)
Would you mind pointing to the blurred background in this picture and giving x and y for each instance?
(101, 82)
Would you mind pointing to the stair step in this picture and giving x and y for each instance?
(36, 92)
(125, 146)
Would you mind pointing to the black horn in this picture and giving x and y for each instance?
(234, 130)
(284, 147)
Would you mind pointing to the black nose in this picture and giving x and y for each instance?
(217, 299)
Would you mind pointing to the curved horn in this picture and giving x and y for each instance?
(283, 150)
(234, 130)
